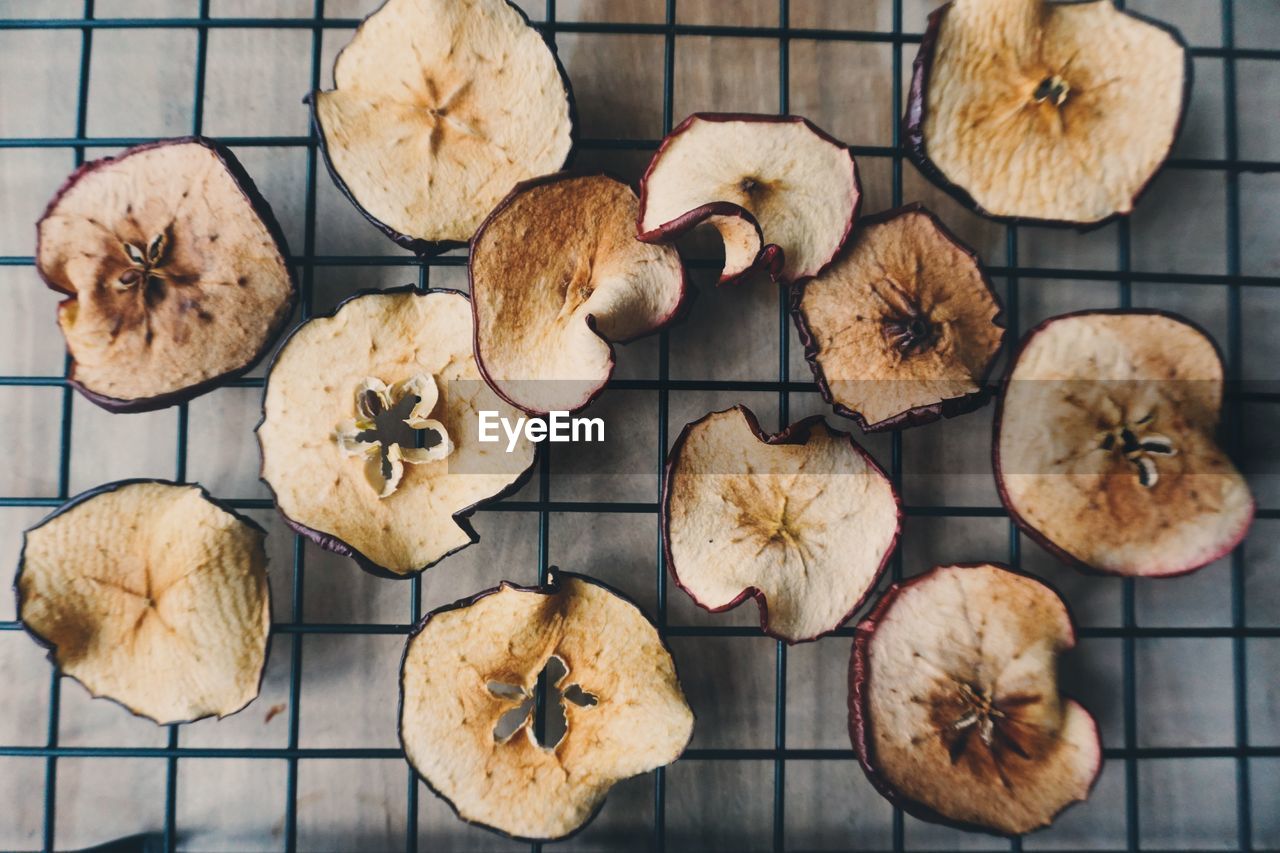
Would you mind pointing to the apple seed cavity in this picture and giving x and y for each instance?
(386, 429)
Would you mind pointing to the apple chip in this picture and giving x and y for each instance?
(174, 270)
(744, 247)
(1040, 111)
(370, 432)
(467, 691)
(151, 594)
(802, 521)
(1105, 449)
(556, 276)
(904, 327)
(798, 183)
(439, 108)
(954, 708)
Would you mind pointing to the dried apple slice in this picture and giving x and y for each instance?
(471, 666)
(557, 276)
(744, 247)
(439, 109)
(798, 183)
(1104, 447)
(174, 268)
(802, 521)
(370, 431)
(151, 594)
(904, 327)
(1052, 112)
(954, 707)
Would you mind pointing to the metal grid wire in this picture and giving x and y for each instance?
(292, 632)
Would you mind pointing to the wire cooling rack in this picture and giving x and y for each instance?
(1128, 752)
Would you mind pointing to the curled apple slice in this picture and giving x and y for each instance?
(1105, 449)
(903, 328)
(151, 594)
(798, 183)
(803, 521)
(439, 109)
(370, 431)
(954, 707)
(174, 270)
(744, 247)
(467, 697)
(1041, 111)
(556, 276)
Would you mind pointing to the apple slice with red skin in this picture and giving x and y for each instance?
(744, 247)
(1105, 449)
(439, 109)
(557, 277)
(370, 431)
(954, 707)
(1042, 112)
(152, 594)
(904, 327)
(803, 521)
(796, 183)
(175, 273)
(469, 665)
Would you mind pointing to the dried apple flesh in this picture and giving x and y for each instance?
(173, 272)
(804, 521)
(903, 325)
(1106, 444)
(557, 274)
(153, 595)
(471, 664)
(799, 184)
(1047, 111)
(394, 507)
(440, 107)
(956, 712)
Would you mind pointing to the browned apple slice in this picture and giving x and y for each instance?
(954, 707)
(151, 594)
(802, 521)
(174, 269)
(557, 276)
(1105, 449)
(795, 180)
(439, 109)
(904, 327)
(371, 431)
(1041, 111)
(744, 248)
(467, 691)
